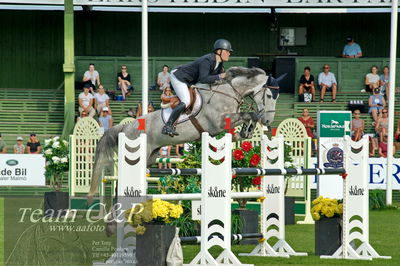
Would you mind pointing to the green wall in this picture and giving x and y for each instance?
(31, 43)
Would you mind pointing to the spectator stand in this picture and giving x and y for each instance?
(298, 186)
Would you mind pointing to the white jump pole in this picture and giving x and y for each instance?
(145, 58)
(393, 48)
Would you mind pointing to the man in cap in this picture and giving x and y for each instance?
(351, 49)
(3, 146)
(206, 69)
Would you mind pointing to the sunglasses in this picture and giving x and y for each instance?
(356, 113)
(326, 67)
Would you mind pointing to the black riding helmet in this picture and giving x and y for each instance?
(222, 44)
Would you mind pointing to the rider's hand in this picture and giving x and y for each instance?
(222, 75)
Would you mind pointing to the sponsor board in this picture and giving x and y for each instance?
(22, 170)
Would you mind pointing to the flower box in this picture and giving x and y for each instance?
(328, 232)
(152, 247)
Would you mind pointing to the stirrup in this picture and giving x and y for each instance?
(169, 130)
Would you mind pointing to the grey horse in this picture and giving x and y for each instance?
(220, 101)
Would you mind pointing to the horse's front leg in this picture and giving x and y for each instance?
(248, 122)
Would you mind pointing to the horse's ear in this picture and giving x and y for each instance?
(281, 77)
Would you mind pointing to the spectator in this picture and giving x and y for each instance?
(82, 115)
(3, 146)
(86, 102)
(381, 126)
(351, 49)
(91, 77)
(163, 78)
(376, 103)
(105, 120)
(397, 134)
(307, 86)
(150, 107)
(383, 147)
(179, 148)
(384, 81)
(19, 148)
(308, 122)
(33, 145)
(371, 80)
(168, 99)
(165, 152)
(101, 100)
(373, 144)
(124, 82)
(327, 81)
(357, 126)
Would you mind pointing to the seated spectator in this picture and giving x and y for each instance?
(3, 146)
(163, 78)
(91, 77)
(373, 144)
(124, 82)
(33, 145)
(351, 49)
(376, 103)
(82, 115)
(383, 147)
(357, 126)
(384, 82)
(307, 86)
(150, 107)
(381, 126)
(101, 100)
(397, 134)
(105, 120)
(19, 147)
(165, 152)
(327, 82)
(308, 122)
(179, 148)
(86, 102)
(371, 80)
(168, 99)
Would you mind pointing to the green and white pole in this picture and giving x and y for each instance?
(69, 69)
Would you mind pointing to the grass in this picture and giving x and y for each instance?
(384, 237)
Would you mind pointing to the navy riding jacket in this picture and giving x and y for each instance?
(201, 70)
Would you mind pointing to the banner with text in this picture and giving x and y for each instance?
(216, 3)
(22, 170)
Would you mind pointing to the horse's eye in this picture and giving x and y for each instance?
(269, 96)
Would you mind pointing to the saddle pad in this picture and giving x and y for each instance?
(166, 112)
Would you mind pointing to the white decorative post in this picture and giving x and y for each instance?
(216, 175)
(273, 205)
(355, 203)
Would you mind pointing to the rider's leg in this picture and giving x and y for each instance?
(182, 91)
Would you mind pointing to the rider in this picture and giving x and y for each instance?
(206, 69)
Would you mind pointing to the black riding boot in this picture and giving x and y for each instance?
(169, 129)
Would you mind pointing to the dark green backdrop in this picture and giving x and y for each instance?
(31, 42)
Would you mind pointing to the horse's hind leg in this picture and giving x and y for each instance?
(152, 156)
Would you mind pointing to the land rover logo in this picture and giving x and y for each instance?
(12, 162)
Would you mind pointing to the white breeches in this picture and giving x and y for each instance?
(181, 89)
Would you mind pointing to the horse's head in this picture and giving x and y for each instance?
(262, 88)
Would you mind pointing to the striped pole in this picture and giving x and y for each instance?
(234, 237)
(251, 171)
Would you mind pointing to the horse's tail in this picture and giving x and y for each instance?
(104, 157)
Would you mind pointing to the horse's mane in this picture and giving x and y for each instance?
(248, 73)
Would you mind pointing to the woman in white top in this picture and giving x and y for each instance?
(372, 80)
(91, 77)
(101, 100)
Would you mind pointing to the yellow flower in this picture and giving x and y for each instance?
(315, 216)
(339, 208)
(317, 200)
(140, 229)
(261, 199)
(329, 213)
(176, 211)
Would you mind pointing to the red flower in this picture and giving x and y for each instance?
(255, 159)
(256, 180)
(246, 146)
(238, 154)
(233, 176)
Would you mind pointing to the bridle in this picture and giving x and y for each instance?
(240, 98)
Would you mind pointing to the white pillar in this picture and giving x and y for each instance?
(393, 47)
(145, 58)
